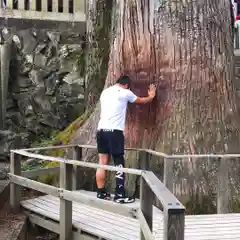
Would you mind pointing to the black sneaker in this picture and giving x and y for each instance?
(104, 195)
(122, 198)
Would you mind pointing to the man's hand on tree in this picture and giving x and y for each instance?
(152, 90)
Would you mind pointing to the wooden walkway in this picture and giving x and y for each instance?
(75, 214)
(107, 225)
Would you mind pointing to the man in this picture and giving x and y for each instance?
(110, 138)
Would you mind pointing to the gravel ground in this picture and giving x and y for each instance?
(10, 224)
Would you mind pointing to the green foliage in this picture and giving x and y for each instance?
(43, 141)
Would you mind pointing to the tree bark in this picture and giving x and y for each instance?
(185, 48)
(98, 38)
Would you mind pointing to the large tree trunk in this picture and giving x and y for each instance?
(185, 48)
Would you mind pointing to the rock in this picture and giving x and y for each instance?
(26, 64)
(41, 103)
(41, 35)
(8, 140)
(54, 37)
(45, 90)
(51, 83)
(36, 76)
(24, 82)
(26, 107)
(3, 174)
(40, 60)
(17, 41)
(41, 48)
(73, 77)
(29, 41)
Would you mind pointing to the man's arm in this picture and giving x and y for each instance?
(143, 99)
(151, 95)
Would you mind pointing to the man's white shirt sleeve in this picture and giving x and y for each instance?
(131, 97)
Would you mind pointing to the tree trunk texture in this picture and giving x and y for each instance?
(185, 48)
(98, 45)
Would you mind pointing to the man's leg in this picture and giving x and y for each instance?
(101, 173)
(120, 176)
(103, 153)
(117, 149)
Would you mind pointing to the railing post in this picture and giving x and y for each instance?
(144, 158)
(77, 155)
(174, 224)
(54, 5)
(15, 190)
(21, 4)
(32, 5)
(223, 187)
(78, 6)
(168, 173)
(9, 4)
(65, 205)
(146, 206)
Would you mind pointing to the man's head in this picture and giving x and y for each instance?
(124, 82)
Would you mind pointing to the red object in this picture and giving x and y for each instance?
(237, 17)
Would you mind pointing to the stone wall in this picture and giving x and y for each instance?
(45, 86)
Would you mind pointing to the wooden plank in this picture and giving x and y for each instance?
(146, 232)
(146, 198)
(168, 173)
(66, 6)
(32, 5)
(40, 221)
(77, 155)
(50, 147)
(53, 226)
(21, 4)
(52, 214)
(155, 153)
(74, 196)
(87, 219)
(66, 205)
(223, 189)
(9, 4)
(174, 222)
(167, 199)
(41, 187)
(55, 9)
(15, 190)
(40, 172)
(95, 216)
(194, 231)
(77, 163)
(83, 146)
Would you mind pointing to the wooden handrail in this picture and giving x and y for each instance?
(150, 186)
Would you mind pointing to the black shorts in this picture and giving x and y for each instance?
(110, 142)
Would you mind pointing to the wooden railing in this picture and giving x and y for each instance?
(65, 10)
(151, 190)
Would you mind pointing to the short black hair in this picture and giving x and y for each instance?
(124, 80)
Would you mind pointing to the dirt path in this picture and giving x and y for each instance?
(10, 224)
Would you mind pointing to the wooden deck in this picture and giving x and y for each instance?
(107, 225)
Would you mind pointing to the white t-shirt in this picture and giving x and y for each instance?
(114, 102)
